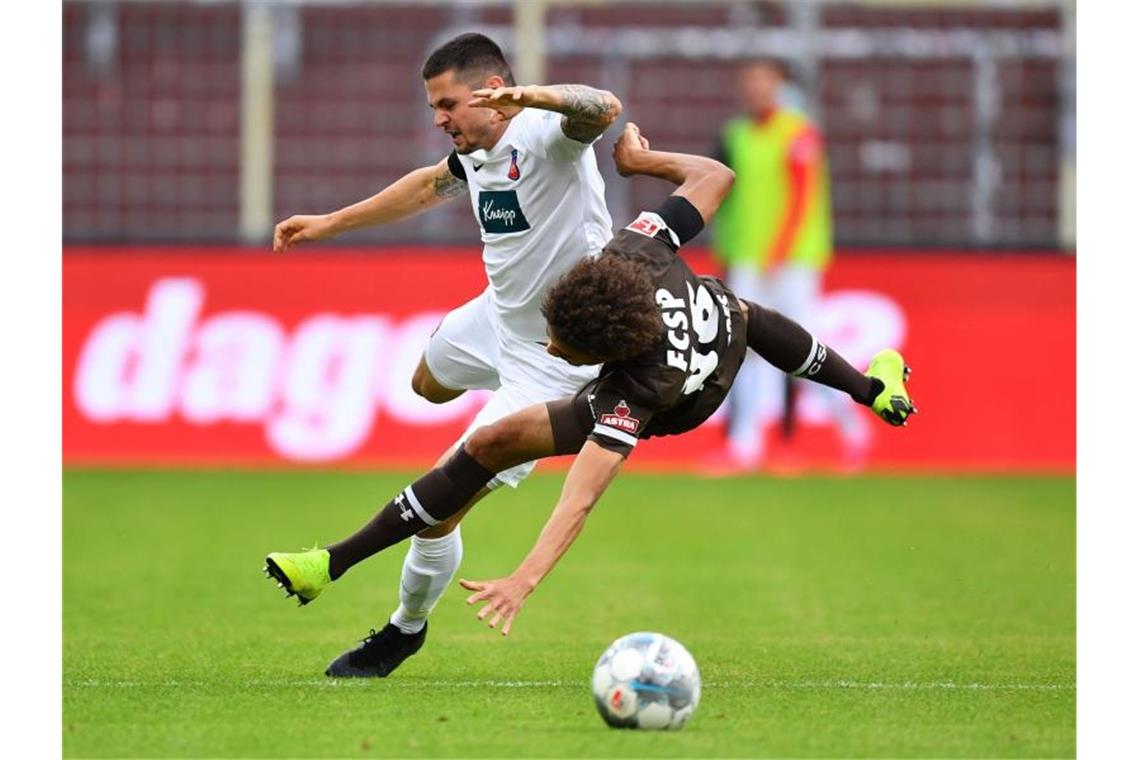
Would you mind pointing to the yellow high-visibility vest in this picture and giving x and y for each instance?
(749, 221)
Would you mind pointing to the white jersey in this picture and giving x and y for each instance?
(540, 202)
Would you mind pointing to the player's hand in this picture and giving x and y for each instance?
(301, 228)
(628, 148)
(506, 100)
(504, 598)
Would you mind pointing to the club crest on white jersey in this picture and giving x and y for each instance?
(539, 200)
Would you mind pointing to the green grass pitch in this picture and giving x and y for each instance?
(872, 616)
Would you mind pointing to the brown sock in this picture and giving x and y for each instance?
(785, 344)
(434, 497)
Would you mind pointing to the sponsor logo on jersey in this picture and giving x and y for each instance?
(476, 167)
(499, 211)
(620, 419)
(513, 172)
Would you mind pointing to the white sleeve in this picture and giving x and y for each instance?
(544, 136)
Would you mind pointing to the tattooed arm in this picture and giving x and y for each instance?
(416, 191)
(586, 112)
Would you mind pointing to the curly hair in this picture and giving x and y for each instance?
(604, 307)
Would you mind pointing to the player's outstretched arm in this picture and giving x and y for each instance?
(593, 470)
(703, 181)
(586, 111)
(416, 191)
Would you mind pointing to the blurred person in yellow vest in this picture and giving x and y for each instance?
(773, 236)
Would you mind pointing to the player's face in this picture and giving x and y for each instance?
(469, 128)
(567, 354)
(760, 88)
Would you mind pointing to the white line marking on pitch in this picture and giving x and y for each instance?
(492, 684)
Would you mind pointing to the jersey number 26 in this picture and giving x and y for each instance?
(701, 312)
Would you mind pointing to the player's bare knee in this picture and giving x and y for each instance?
(481, 445)
(490, 445)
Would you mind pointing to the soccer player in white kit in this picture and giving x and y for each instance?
(525, 155)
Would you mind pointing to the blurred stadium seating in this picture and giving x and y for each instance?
(948, 125)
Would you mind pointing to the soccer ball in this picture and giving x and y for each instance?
(646, 680)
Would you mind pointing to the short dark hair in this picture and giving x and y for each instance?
(470, 56)
(604, 307)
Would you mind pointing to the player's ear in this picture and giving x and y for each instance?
(493, 81)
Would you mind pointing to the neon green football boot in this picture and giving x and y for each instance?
(893, 402)
(303, 574)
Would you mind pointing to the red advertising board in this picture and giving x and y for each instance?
(234, 357)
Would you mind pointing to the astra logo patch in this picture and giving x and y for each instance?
(620, 419)
(499, 211)
(513, 172)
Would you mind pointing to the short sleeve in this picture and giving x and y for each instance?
(624, 401)
(618, 420)
(545, 136)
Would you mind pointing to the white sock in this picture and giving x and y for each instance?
(429, 566)
(854, 430)
(746, 423)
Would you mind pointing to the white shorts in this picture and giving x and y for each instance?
(472, 350)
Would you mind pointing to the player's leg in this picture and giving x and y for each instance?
(745, 423)
(785, 298)
(800, 288)
(529, 376)
(426, 386)
(431, 562)
(462, 354)
(786, 345)
(441, 493)
(561, 428)
(438, 495)
(434, 554)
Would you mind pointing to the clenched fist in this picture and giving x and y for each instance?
(628, 149)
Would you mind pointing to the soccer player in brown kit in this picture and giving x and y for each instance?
(669, 344)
